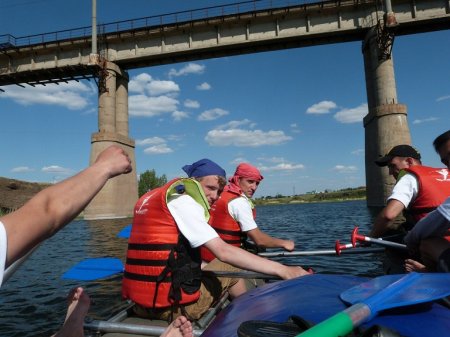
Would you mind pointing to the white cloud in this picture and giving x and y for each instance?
(443, 98)
(352, 115)
(235, 124)
(141, 105)
(191, 68)
(204, 86)
(158, 149)
(283, 167)
(238, 160)
(55, 169)
(426, 120)
(22, 169)
(144, 83)
(272, 159)
(189, 103)
(245, 138)
(322, 107)
(150, 141)
(345, 169)
(156, 88)
(179, 115)
(158, 145)
(139, 83)
(209, 115)
(358, 152)
(72, 95)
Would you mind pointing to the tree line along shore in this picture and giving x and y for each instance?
(14, 193)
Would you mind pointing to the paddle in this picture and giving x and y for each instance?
(125, 232)
(336, 251)
(381, 293)
(358, 237)
(97, 268)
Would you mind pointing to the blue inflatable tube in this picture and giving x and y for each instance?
(315, 298)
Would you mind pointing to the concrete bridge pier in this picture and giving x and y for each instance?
(119, 195)
(386, 123)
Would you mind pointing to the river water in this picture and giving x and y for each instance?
(33, 301)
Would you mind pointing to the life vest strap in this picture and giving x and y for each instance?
(146, 262)
(150, 246)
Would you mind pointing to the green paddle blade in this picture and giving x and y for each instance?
(93, 269)
(393, 291)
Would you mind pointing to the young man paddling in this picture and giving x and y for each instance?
(418, 191)
(233, 215)
(163, 273)
(430, 236)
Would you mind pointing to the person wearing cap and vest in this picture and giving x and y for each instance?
(233, 215)
(163, 273)
(430, 236)
(419, 190)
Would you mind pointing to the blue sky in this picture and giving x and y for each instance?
(296, 114)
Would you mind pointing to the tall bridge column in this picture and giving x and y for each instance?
(386, 123)
(119, 195)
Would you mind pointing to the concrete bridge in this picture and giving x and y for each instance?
(246, 27)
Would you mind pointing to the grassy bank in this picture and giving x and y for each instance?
(358, 193)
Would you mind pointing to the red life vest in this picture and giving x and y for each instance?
(161, 268)
(434, 188)
(224, 224)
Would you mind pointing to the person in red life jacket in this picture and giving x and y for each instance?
(233, 215)
(163, 275)
(430, 236)
(419, 190)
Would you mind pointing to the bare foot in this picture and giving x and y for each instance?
(180, 327)
(79, 303)
(412, 265)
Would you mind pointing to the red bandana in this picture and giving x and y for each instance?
(246, 171)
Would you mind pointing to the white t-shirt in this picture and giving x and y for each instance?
(241, 211)
(190, 219)
(3, 247)
(405, 190)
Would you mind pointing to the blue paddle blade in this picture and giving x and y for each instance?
(392, 291)
(93, 269)
(125, 233)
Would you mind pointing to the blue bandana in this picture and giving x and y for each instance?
(204, 167)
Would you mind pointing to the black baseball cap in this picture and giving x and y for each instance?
(398, 151)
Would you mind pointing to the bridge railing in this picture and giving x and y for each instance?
(8, 41)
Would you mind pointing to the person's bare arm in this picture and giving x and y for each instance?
(52, 208)
(242, 259)
(266, 241)
(389, 213)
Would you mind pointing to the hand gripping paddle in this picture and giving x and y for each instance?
(381, 293)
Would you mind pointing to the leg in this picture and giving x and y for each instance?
(180, 327)
(79, 303)
(238, 289)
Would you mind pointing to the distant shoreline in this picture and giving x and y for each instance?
(347, 194)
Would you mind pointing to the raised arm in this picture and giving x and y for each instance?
(52, 208)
